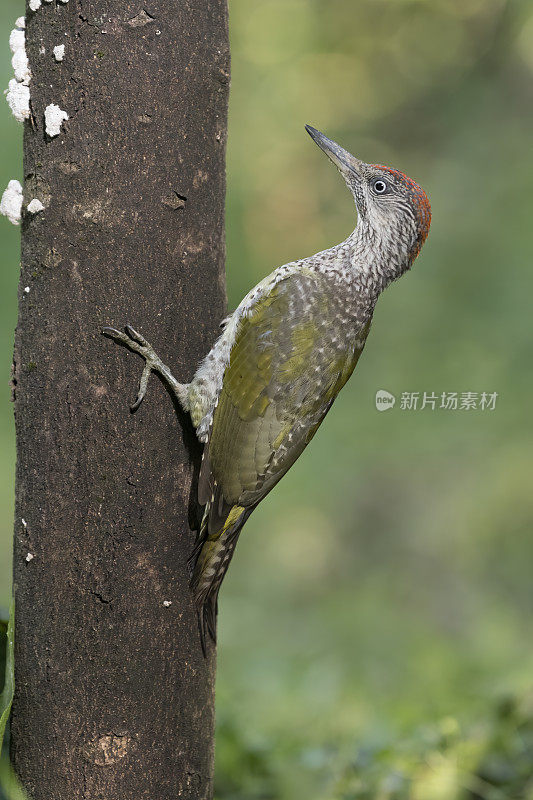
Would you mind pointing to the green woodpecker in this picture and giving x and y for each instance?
(260, 394)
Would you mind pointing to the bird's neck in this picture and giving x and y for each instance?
(367, 261)
(372, 259)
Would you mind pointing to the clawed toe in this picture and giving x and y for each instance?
(134, 406)
(143, 385)
(112, 333)
(136, 342)
(136, 336)
(129, 338)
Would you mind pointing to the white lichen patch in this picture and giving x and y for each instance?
(20, 66)
(53, 119)
(18, 99)
(17, 39)
(17, 93)
(59, 52)
(35, 206)
(34, 5)
(11, 202)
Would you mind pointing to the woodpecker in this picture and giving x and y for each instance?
(261, 393)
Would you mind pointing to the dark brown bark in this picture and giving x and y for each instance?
(114, 698)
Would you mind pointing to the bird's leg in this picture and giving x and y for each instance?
(135, 342)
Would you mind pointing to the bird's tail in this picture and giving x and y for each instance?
(209, 562)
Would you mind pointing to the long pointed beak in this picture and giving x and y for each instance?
(348, 165)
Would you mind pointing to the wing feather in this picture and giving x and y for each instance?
(288, 362)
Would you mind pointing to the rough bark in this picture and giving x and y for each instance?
(114, 697)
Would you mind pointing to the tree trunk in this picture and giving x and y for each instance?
(114, 697)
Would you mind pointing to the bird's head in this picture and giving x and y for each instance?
(393, 211)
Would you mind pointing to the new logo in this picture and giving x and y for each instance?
(384, 400)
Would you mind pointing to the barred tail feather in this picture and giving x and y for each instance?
(212, 555)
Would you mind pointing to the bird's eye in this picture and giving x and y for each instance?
(380, 186)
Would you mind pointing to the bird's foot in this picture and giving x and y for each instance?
(135, 342)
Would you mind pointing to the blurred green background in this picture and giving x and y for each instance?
(376, 626)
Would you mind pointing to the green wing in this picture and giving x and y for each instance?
(293, 352)
(292, 355)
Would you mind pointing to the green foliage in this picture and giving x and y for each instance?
(7, 633)
(489, 760)
(10, 788)
(245, 768)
